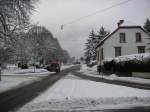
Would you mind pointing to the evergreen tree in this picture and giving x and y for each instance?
(92, 42)
(147, 29)
(90, 52)
(147, 26)
(102, 33)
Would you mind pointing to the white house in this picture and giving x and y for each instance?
(124, 40)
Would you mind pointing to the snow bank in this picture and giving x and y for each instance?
(66, 66)
(93, 72)
(143, 57)
(128, 79)
(85, 68)
(76, 94)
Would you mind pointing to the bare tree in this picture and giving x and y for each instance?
(14, 16)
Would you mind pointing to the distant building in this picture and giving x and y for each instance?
(124, 40)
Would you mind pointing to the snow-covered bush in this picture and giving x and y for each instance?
(92, 63)
(129, 63)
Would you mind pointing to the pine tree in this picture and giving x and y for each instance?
(102, 33)
(147, 26)
(147, 29)
(92, 42)
(90, 52)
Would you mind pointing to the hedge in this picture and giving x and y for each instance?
(128, 63)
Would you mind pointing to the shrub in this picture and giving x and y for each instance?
(22, 65)
(128, 63)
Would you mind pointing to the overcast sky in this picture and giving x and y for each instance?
(53, 13)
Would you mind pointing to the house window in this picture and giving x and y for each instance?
(122, 38)
(117, 51)
(102, 53)
(141, 49)
(138, 37)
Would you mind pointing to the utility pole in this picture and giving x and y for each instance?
(0, 71)
(34, 50)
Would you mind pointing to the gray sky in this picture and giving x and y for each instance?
(53, 13)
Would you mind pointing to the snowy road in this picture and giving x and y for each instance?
(17, 97)
(75, 94)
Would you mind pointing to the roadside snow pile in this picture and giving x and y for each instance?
(84, 68)
(77, 94)
(128, 79)
(65, 66)
(88, 70)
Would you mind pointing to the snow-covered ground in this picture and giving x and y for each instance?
(72, 93)
(66, 66)
(11, 82)
(13, 77)
(89, 70)
(31, 71)
(93, 72)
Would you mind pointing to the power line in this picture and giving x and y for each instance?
(92, 14)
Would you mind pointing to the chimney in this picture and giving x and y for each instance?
(120, 22)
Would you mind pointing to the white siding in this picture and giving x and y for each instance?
(130, 47)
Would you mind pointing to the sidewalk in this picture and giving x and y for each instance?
(92, 74)
(109, 81)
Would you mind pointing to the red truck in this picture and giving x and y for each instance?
(54, 66)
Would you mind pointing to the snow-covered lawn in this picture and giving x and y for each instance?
(11, 82)
(93, 72)
(14, 77)
(30, 71)
(73, 93)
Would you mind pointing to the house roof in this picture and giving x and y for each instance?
(120, 27)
